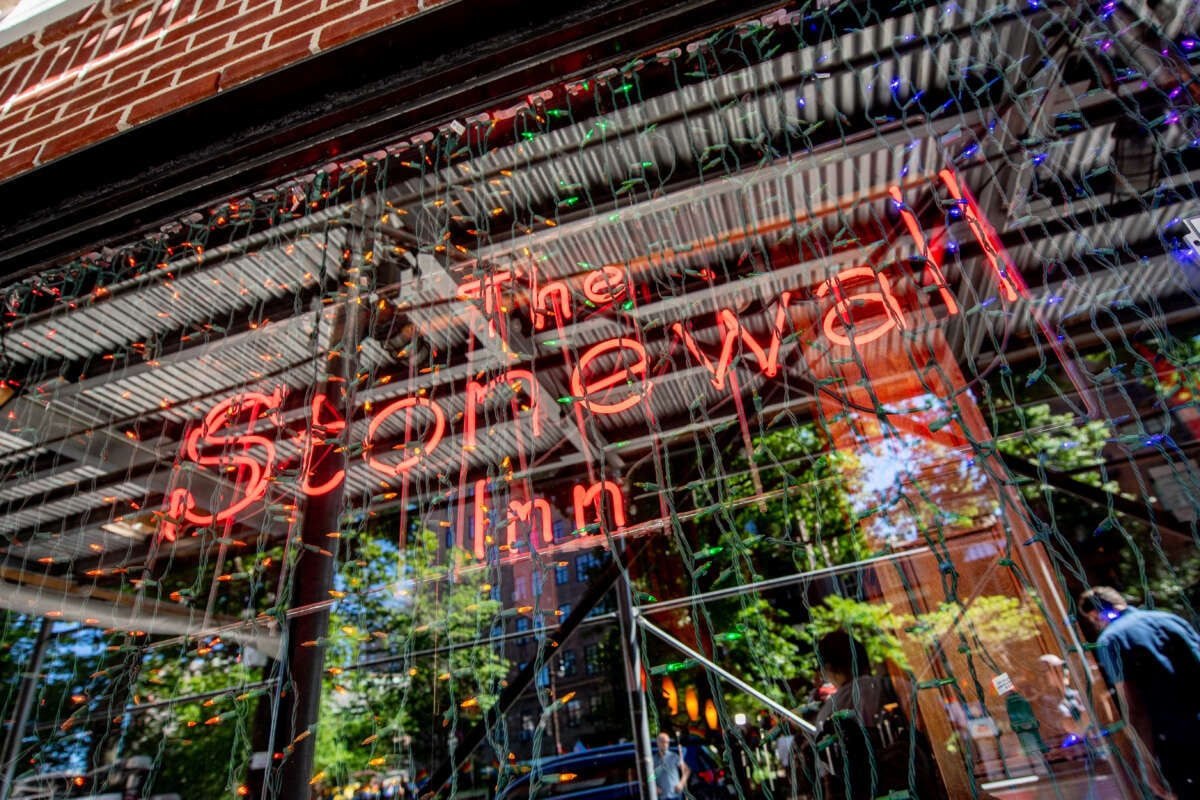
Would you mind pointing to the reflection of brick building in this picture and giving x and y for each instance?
(584, 666)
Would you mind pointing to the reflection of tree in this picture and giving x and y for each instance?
(426, 616)
(201, 744)
(198, 741)
(917, 486)
(1058, 441)
(805, 521)
(873, 624)
(72, 692)
(766, 648)
(994, 621)
(1117, 549)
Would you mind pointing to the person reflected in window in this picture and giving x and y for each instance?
(872, 748)
(1151, 661)
(670, 770)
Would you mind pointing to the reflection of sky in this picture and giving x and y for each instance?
(909, 484)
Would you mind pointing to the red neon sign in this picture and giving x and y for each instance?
(406, 405)
(593, 496)
(1010, 280)
(538, 515)
(321, 429)
(252, 456)
(236, 446)
(476, 392)
(584, 391)
(731, 330)
(840, 313)
(605, 284)
(932, 260)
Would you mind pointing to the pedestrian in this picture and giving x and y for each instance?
(876, 747)
(670, 770)
(1151, 661)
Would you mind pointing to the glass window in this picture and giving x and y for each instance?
(566, 663)
(591, 659)
(584, 564)
(574, 713)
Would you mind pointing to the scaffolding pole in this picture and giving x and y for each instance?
(25, 698)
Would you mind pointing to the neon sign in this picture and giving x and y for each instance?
(608, 378)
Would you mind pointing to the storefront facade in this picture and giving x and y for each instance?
(481, 386)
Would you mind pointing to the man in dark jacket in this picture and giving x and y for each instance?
(1151, 661)
(868, 745)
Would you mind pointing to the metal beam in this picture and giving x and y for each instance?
(26, 694)
(704, 661)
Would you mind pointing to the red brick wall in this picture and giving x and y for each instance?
(123, 62)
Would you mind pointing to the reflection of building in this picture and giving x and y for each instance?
(583, 667)
(557, 262)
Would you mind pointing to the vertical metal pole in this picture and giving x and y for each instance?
(639, 711)
(25, 698)
(290, 760)
(299, 710)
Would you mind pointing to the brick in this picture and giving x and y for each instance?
(36, 72)
(182, 60)
(16, 164)
(56, 97)
(87, 47)
(308, 26)
(139, 25)
(260, 22)
(277, 56)
(215, 24)
(294, 11)
(71, 141)
(222, 25)
(110, 38)
(228, 55)
(24, 47)
(35, 133)
(127, 94)
(13, 125)
(89, 15)
(8, 78)
(63, 55)
(204, 8)
(70, 24)
(72, 84)
(138, 63)
(119, 6)
(181, 30)
(172, 99)
(59, 81)
(98, 97)
(358, 24)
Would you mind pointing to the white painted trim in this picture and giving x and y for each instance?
(32, 15)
